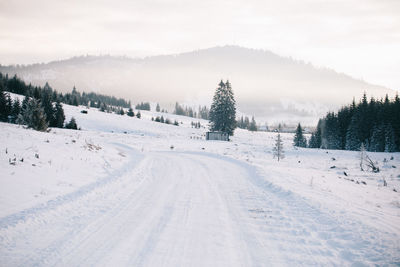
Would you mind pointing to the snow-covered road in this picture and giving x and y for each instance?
(186, 209)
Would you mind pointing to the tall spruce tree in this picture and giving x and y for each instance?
(23, 116)
(377, 142)
(3, 106)
(315, 140)
(33, 115)
(16, 109)
(299, 140)
(390, 143)
(223, 109)
(47, 102)
(58, 116)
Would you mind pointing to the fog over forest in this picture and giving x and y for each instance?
(266, 85)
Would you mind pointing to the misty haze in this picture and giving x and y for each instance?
(199, 133)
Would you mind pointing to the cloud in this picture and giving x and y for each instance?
(43, 30)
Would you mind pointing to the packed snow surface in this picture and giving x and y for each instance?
(132, 192)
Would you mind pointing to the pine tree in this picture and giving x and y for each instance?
(158, 107)
(253, 125)
(353, 141)
(390, 144)
(138, 115)
(317, 136)
(47, 102)
(312, 143)
(58, 117)
(278, 148)
(32, 115)
(16, 109)
(246, 123)
(24, 114)
(130, 112)
(72, 124)
(223, 110)
(330, 137)
(299, 140)
(179, 110)
(3, 106)
(377, 143)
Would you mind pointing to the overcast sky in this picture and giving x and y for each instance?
(358, 37)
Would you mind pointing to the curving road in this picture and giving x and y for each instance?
(186, 209)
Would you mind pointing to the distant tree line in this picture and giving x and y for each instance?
(143, 106)
(93, 100)
(40, 108)
(166, 120)
(75, 98)
(375, 124)
(245, 123)
(202, 113)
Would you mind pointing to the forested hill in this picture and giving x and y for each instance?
(42, 107)
(265, 85)
(74, 97)
(374, 124)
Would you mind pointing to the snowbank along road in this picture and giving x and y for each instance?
(187, 209)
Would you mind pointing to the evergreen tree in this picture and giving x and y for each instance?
(240, 123)
(299, 139)
(32, 115)
(138, 115)
(3, 106)
(58, 117)
(377, 143)
(130, 112)
(39, 121)
(47, 102)
(223, 110)
(253, 125)
(24, 114)
(16, 109)
(179, 110)
(246, 123)
(352, 135)
(330, 134)
(143, 106)
(72, 124)
(312, 143)
(390, 141)
(278, 148)
(158, 107)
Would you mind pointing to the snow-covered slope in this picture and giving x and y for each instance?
(132, 192)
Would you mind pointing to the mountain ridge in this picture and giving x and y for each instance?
(266, 85)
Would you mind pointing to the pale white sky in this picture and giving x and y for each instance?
(358, 37)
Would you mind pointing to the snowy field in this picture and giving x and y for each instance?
(132, 192)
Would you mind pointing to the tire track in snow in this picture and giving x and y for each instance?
(197, 209)
(294, 231)
(22, 216)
